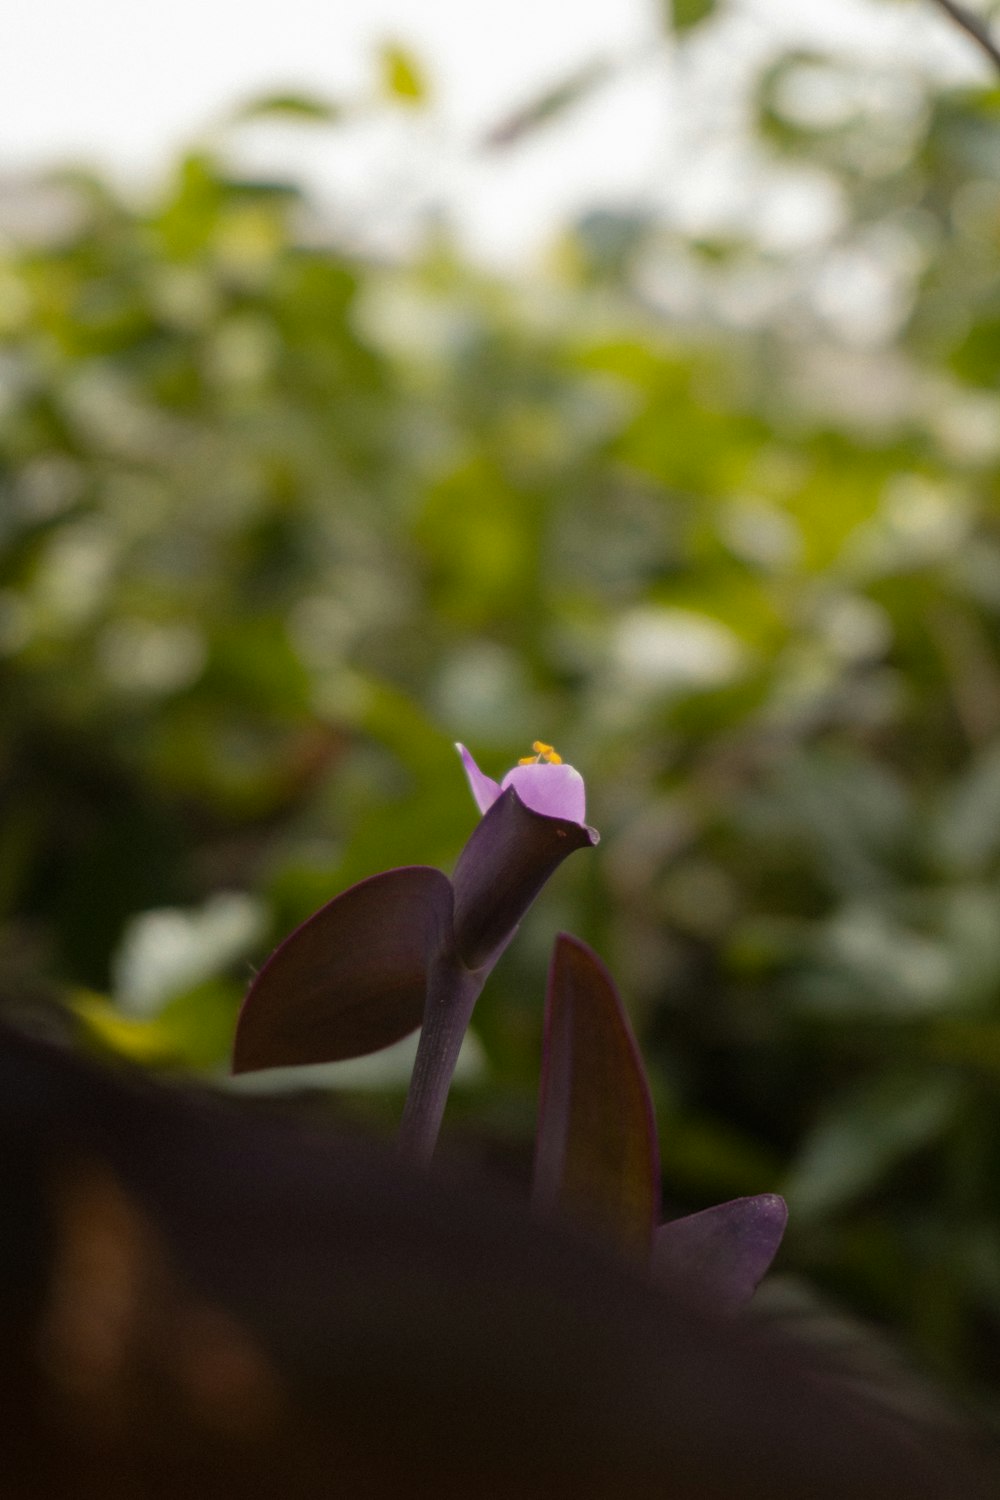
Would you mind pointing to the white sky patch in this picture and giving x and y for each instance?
(122, 86)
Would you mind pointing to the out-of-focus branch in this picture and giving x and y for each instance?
(973, 27)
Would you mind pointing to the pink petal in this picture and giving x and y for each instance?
(484, 788)
(553, 791)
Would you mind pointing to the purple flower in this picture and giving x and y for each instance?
(410, 947)
(597, 1155)
(543, 781)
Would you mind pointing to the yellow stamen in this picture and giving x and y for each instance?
(543, 752)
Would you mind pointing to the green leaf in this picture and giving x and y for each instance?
(863, 1134)
(402, 77)
(684, 14)
(194, 1031)
(138, 1039)
(305, 107)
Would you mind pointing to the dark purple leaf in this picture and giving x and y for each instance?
(351, 979)
(722, 1253)
(596, 1157)
(508, 859)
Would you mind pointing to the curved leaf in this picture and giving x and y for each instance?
(596, 1156)
(352, 978)
(310, 109)
(508, 859)
(549, 104)
(721, 1254)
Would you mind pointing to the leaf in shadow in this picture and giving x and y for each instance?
(721, 1254)
(596, 1157)
(351, 979)
(864, 1134)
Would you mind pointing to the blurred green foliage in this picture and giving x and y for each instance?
(279, 522)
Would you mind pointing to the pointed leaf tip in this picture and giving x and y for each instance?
(352, 979)
(721, 1254)
(596, 1157)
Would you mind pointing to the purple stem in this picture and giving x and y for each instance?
(452, 992)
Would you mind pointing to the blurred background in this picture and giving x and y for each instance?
(379, 377)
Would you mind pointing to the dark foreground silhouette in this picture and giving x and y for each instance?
(199, 1298)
